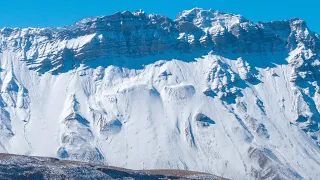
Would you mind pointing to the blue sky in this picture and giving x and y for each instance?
(42, 13)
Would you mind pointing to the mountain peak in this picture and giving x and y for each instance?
(206, 18)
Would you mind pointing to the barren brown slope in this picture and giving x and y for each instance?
(27, 167)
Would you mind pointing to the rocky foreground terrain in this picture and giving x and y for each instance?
(36, 168)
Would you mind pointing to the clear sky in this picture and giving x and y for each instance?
(42, 13)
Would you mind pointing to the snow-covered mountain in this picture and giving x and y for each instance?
(208, 91)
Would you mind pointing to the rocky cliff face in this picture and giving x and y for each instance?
(138, 34)
(208, 91)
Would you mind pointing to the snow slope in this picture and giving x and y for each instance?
(209, 91)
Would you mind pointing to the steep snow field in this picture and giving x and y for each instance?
(236, 115)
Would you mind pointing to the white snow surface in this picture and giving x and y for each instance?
(202, 115)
